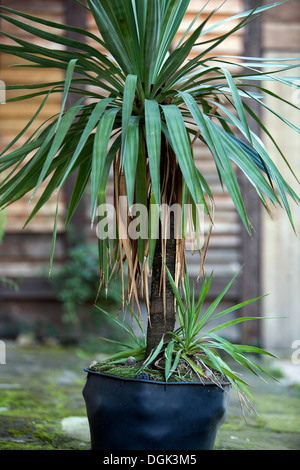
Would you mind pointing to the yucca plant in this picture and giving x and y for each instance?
(144, 104)
(195, 351)
(196, 344)
(133, 349)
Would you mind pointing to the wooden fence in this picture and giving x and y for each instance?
(24, 254)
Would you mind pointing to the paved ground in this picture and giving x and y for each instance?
(41, 405)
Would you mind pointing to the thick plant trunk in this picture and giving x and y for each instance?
(162, 308)
(162, 317)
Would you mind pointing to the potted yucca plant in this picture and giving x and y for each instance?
(143, 106)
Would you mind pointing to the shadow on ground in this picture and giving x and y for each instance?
(42, 408)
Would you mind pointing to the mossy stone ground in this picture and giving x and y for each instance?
(39, 387)
(41, 399)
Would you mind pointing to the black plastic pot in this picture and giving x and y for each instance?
(132, 414)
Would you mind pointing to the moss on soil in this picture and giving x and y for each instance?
(154, 374)
(129, 372)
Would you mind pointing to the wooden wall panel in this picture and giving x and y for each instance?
(280, 254)
(280, 245)
(225, 254)
(24, 254)
(14, 116)
(226, 234)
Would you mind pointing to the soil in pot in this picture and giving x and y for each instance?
(183, 373)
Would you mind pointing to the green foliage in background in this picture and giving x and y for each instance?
(77, 282)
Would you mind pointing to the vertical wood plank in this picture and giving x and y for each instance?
(281, 247)
(251, 246)
(75, 15)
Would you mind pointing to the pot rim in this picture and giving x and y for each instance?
(128, 379)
